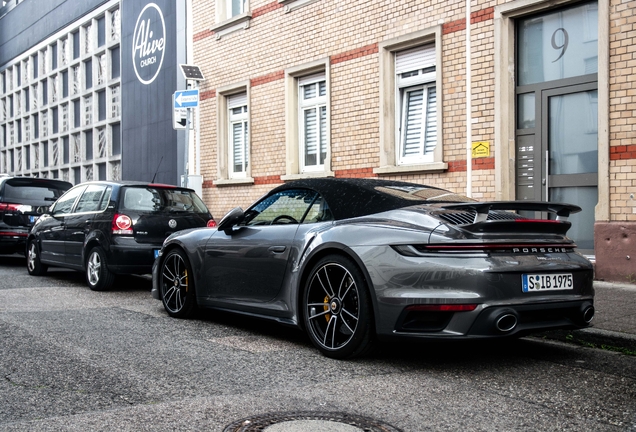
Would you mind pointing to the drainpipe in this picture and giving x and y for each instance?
(469, 135)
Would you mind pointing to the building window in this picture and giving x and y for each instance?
(231, 16)
(312, 115)
(307, 127)
(410, 121)
(233, 137)
(238, 135)
(417, 115)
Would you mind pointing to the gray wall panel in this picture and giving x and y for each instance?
(147, 90)
(32, 21)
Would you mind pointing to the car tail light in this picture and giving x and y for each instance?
(122, 224)
(211, 223)
(9, 207)
(443, 308)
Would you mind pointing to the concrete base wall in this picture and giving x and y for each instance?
(615, 247)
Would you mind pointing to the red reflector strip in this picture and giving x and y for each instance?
(539, 220)
(443, 308)
(496, 246)
(13, 234)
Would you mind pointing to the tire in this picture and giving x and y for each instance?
(34, 265)
(98, 277)
(337, 309)
(176, 285)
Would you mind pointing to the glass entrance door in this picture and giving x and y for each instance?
(570, 145)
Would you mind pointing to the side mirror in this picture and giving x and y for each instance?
(232, 218)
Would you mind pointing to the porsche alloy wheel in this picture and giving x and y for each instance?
(98, 277)
(337, 308)
(177, 287)
(34, 266)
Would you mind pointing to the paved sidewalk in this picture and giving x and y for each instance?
(615, 321)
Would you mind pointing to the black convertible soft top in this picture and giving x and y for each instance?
(354, 197)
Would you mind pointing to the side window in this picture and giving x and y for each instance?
(284, 207)
(141, 199)
(318, 212)
(65, 203)
(91, 199)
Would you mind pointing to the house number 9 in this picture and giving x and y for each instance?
(564, 46)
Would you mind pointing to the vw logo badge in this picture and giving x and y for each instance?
(172, 223)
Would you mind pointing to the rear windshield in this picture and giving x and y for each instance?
(31, 194)
(161, 200)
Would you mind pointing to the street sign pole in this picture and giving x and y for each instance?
(187, 145)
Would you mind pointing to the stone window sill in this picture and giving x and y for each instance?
(292, 5)
(234, 182)
(402, 169)
(234, 24)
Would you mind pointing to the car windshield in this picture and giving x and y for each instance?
(162, 200)
(33, 193)
(415, 193)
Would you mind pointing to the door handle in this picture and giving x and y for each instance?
(277, 249)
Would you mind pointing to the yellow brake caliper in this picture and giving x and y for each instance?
(186, 278)
(326, 301)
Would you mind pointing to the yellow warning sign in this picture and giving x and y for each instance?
(481, 149)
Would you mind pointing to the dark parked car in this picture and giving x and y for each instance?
(106, 228)
(22, 201)
(351, 260)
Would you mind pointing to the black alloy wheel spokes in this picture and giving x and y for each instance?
(174, 282)
(333, 306)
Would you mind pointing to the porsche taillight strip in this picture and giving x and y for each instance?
(443, 308)
(509, 248)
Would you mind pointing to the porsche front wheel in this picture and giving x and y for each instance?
(337, 308)
(177, 286)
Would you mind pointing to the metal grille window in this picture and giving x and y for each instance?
(64, 117)
(77, 148)
(101, 143)
(54, 153)
(417, 93)
(101, 69)
(239, 135)
(88, 110)
(44, 129)
(88, 38)
(114, 25)
(114, 101)
(64, 52)
(313, 121)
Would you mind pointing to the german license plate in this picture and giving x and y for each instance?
(32, 219)
(156, 252)
(547, 282)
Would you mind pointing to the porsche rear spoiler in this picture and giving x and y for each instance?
(561, 210)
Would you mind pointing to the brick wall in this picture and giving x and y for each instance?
(622, 87)
(347, 34)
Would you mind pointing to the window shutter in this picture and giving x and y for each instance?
(430, 140)
(311, 136)
(323, 134)
(415, 59)
(237, 146)
(237, 100)
(414, 101)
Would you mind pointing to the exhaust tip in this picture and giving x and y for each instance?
(506, 323)
(588, 314)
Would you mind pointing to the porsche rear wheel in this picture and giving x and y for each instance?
(177, 286)
(337, 309)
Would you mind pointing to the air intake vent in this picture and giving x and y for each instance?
(468, 217)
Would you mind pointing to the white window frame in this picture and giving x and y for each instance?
(294, 137)
(227, 23)
(226, 97)
(315, 103)
(238, 102)
(391, 103)
(415, 71)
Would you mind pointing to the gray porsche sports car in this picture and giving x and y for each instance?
(354, 260)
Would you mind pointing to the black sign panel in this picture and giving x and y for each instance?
(149, 50)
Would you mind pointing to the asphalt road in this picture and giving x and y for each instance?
(73, 359)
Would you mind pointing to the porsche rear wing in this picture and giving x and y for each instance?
(561, 210)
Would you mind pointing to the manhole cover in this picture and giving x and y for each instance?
(309, 421)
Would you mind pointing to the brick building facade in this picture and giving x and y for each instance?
(551, 97)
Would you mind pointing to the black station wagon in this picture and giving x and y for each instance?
(106, 228)
(22, 201)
